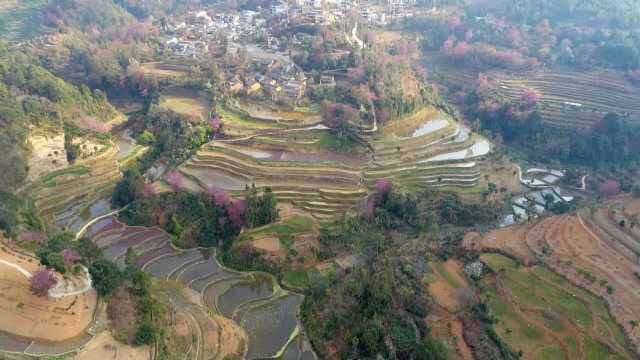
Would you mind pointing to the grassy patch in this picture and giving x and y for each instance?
(498, 262)
(596, 351)
(299, 223)
(550, 353)
(314, 108)
(185, 102)
(291, 226)
(286, 241)
(48, 180)
(301, 278)
(137, 151)
(446, 275)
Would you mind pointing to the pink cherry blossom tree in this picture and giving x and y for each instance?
(219, 196)
(42, 281)
(530, 97)
(236, 210)
(610, 187)
(148, 190)
(175, 179)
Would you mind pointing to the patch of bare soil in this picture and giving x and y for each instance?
(232, 337)
(447, 290)
(447, 327)
(448, 293)
(105, 347)
(268, 244)
(47, 154)
(38, 317)
(508, 241)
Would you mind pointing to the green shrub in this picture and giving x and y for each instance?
(146, 334)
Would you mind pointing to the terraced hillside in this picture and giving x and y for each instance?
(62, 196)
(425, 149)
(576, 99)
(254, 301)
(568, 98)
(595, 249)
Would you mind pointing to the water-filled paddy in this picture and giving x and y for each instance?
(479, 148)
(242, 293)
(429, 127)
(269, 327)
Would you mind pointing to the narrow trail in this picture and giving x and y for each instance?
(93, 221)
(19, 268)
(354, 35)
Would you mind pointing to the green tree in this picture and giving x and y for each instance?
(127, 189)
(52, 260)
(106, 277)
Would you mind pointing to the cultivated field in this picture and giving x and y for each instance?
(447, 285)
(21, 20)
(568, 98)
(185, 102)
(164, 70)
(576, 99)
(546, 316)
(591, 249)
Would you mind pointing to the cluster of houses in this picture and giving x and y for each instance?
(544, 193)
(269, 73)
(200, 32)
(275, 79)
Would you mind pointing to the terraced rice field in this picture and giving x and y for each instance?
(287, 117)
(591, 250)
(576, 99)
(255, 302)
(69, 197)
(569, 99)
(424, 150)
